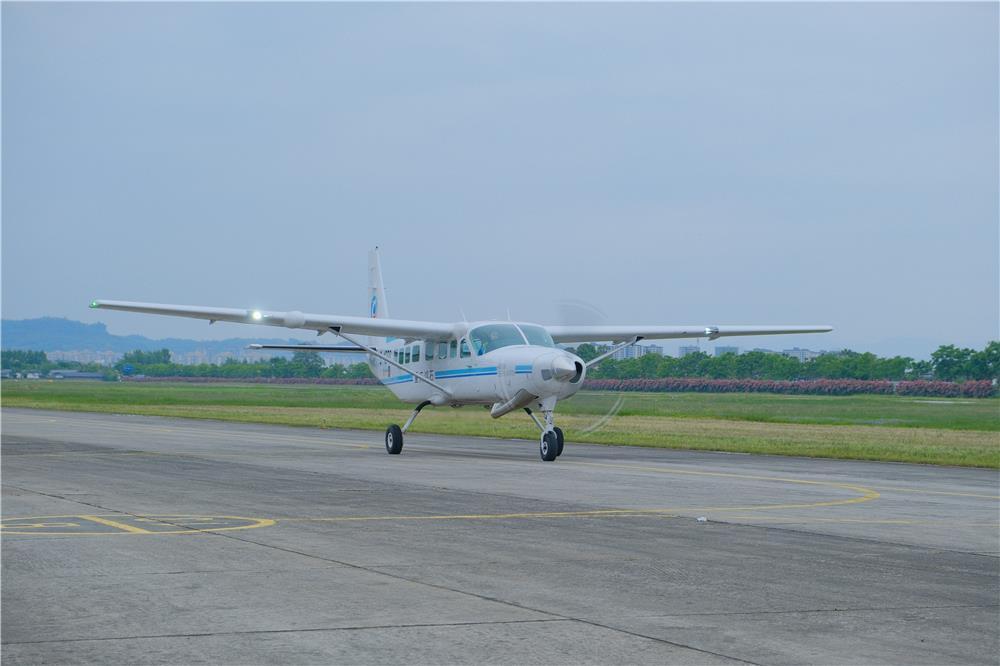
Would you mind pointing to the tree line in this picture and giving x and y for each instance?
(947, 363)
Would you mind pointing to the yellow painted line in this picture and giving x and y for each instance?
(937, 492)
(163, 519)
(866, 494)
(116, 525)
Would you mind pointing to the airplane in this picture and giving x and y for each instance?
(505, 366)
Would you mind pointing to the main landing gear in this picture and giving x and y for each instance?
(551, 444)
(394, 434)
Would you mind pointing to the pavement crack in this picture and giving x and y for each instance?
(251, 632)
(824, 610)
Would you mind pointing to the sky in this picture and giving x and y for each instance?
(704, 164)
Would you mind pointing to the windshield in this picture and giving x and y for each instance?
(537, 335)
(487, 338)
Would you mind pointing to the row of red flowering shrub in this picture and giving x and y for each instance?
(361, 381)
(973, 389)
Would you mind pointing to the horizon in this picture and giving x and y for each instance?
(670, 347)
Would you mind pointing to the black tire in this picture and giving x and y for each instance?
(393, 440)
(560, 440)
(548, 446)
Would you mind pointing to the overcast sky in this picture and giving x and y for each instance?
(669, 164)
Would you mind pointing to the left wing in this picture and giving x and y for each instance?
(622, 333)
(401, 328)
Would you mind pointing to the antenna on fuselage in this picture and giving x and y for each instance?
(464, 320)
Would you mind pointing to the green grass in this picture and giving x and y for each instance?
(940, 431)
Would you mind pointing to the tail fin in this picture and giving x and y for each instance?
(378, 307)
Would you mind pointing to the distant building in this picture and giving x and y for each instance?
(637, 351)
(687, 349)
(802, 355)
(721, 349)
(107, 358)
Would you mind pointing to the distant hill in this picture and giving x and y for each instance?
(58, 334)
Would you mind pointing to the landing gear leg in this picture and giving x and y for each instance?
(394, 434)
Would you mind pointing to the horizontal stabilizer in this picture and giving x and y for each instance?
(313, 348)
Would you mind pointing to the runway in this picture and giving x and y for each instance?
(147, 540)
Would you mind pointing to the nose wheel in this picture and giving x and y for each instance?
(549, 446)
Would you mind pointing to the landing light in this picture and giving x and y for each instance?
(256, 315)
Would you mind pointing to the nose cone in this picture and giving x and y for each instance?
(563, 368)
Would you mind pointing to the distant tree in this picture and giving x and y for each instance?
(985, 364)
(307, 364)
(359, 371)
(17, 360)
(951, 363)
(140, 358)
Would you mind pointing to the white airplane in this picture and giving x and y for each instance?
(504, 365)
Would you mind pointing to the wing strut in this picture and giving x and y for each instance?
(384, 357)
(623, 345)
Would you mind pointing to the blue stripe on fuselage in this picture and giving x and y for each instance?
(466, 372)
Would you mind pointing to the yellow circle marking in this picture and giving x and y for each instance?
(114, 524)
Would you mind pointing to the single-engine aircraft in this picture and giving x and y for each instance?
(503, 365)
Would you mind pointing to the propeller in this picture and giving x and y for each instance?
(573, 312)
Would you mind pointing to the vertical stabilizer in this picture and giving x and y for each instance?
(378, 307)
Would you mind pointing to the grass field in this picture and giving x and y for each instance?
(939, 431)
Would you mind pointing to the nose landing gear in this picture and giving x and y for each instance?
(552, 440)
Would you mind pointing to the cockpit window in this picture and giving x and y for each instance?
(537, 335)
(494, 336)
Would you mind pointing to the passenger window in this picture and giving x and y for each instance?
(416, 353)
(442, 350)
(465, 353)
(452, 349)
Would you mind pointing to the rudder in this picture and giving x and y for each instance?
(378, 307)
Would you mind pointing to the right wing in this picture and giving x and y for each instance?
(401, 328)
(622, 333)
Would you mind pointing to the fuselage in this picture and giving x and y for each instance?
(482, 363)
